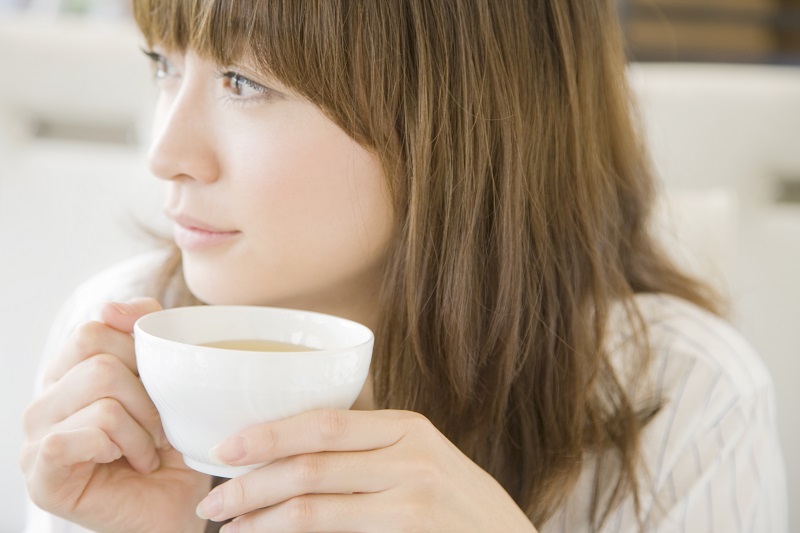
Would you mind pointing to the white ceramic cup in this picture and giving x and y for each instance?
(206, 394)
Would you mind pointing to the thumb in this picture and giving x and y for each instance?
(122, 315)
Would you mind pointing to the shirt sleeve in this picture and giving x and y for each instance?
(728, 475)
(712, 455)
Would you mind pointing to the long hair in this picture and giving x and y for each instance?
(522, 195)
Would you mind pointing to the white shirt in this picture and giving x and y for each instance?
(711, 456)
(712, 451)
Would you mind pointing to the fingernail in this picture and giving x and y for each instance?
(123, 309)
(229, 451)
(211, 506)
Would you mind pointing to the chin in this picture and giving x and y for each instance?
(215, 289)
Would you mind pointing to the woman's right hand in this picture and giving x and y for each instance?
(95, 451)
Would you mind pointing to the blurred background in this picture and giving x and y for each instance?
(717, 84)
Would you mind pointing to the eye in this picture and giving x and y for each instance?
(242, 87)
(161, 66)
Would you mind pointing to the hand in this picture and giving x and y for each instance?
(95, 451)
(366, 471)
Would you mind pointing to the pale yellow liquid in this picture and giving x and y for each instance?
(256, 345)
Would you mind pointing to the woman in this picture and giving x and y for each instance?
(464, 178)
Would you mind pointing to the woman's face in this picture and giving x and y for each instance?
(273, 203)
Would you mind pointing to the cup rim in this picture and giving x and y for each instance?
(140, 327)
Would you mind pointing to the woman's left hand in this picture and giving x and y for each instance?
(365, 471)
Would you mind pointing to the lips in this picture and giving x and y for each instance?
(192, 234)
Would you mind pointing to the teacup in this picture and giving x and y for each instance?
(205, 393)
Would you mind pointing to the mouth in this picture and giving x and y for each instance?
(195, 235)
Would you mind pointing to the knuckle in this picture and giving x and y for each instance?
(236, 493)
(309, 469)
(301, 512)
(52, 447)
(103, 371)
(422, 430)
(332, 424)
(88, 337)
(268, 439)
(426, 475)
(418, 421)
(109, 413)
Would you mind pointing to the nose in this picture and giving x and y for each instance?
(183, 147)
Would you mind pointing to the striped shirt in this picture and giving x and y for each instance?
(710, 457)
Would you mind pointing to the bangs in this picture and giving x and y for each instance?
(227, 31)
(343, 56)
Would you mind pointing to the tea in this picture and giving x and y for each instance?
(259, 345)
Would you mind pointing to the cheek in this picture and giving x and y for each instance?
(317, 188)
(315, 214)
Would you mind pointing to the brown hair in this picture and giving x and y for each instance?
(522, 195)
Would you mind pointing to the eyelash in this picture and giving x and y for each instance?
(235, 81)
(157, 60)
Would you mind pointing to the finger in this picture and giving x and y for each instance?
(112, 335)
(89, 339)
(318, 473)
(122, 315)
(58, 453)
(100, 376)
(317, 431)
(325, 513)
(110, 416)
